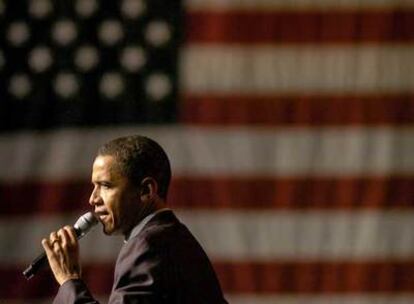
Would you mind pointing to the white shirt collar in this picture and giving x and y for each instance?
(137, 229)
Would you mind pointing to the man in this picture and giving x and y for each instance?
(160, 262)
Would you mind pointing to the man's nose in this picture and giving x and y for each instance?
(94, 198)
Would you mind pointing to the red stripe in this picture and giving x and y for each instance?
(305, 110)
(249, 277)
(316, 277)
(226, 193)
(14, 286)
(295, 193)
(281, 27)
(28, 198)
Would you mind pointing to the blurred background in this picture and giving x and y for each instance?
(289, 125)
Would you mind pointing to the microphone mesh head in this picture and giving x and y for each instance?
(85, 223)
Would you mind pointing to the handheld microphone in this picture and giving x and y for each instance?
(82, 226)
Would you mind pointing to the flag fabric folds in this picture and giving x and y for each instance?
(289, 125)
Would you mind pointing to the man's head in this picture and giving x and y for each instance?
(139, 157)
(131, 176)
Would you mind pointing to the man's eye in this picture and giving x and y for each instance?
(105, 186)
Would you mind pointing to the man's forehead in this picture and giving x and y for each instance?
(103, 160)
(104, 166)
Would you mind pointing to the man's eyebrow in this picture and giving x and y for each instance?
(100, 181)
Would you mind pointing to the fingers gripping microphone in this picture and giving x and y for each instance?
(82, 226)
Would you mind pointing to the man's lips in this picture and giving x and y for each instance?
(101, 214)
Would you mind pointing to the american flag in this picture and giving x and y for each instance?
(289, 124)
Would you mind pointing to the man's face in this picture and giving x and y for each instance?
(115, 200)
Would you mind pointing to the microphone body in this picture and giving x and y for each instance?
(82, 226)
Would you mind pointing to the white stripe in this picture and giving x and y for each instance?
(322, 299)
(382, 298)
(67, 154)
(297, 69)
(246, 235)
(295, 4)
(303, 235)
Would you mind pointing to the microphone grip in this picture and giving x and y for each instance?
(41, 261)
(37, 264)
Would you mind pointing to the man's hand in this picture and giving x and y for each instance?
(62, 251)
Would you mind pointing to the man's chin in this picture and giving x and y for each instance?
(110, 230)
(107, 230)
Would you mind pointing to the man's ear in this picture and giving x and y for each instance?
(148, 189)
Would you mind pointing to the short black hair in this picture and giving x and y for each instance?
(139, 157)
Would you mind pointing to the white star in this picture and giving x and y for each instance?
(158, 33)
(86, 58)
(40, 59)
(66, 85)
(111, 85)
(64, 32)
(40, 8)
(18, 33)
(110, 32)
(20, 85)
(132, 8)
(158, 86)
(86, 8)
(132, 58)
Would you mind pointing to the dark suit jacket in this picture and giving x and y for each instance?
(164, 263)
